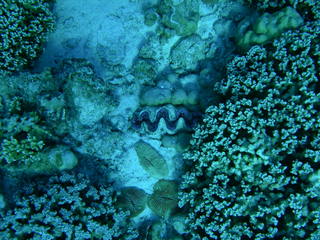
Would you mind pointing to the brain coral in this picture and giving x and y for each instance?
(255, 158)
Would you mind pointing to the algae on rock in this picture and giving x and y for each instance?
(87, 96)
(181, 16)
(187, 53)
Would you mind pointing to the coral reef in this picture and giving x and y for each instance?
(269, 26)
(125, 120)
(254, 160)
(66, 207)
(27, 145)
(24, 28)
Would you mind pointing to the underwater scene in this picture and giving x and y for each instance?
(159, 119)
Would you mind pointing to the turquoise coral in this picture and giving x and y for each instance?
(24, 27)
(255, 158)
(66, 207)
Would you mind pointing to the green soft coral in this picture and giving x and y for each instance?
(21, 135)
(309, 9)
(269, 26)
(24, 151)
(26, 145)
(255, 158)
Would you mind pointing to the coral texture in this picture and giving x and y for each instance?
(24, 26)
(66, 207)
(255, 158)
(26, 144)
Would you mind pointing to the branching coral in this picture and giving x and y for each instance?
(66, 207)
(255, 158)
(26, 145)
(21, 134)
(24, 26)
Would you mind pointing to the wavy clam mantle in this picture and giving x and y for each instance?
(165, 119)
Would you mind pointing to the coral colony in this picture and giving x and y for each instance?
(208, 128)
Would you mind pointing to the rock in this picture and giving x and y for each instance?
(156, 97)
(61, 157)
(2, 202)
(179, 223)
(182, 16)
(145, 71)
(87, 97)
(187, 53)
